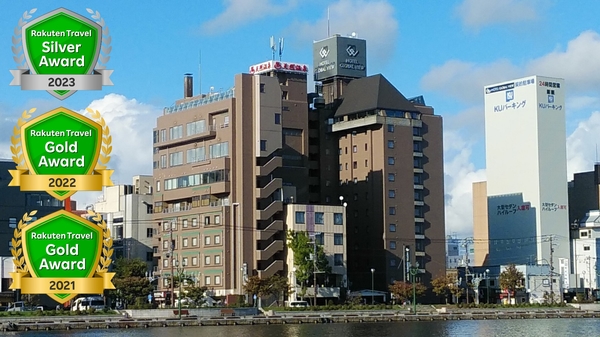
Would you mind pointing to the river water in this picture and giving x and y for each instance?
(528, 327)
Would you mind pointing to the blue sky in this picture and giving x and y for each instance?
(444, 50)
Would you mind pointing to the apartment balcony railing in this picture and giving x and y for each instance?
(273, 268)
(270, 230)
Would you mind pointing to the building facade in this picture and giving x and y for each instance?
(586, 247)
(224, 164)
(127, 210)
(327, 226)
(526, 169)
(388, 168)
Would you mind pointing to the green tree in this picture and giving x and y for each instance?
(130, 280)
(511, 279)
(441, 285)
(404, 290)
(275, 285)
(196, 293)
(299, 242)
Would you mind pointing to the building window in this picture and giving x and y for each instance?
(354, 149)
(176, 132)
(416, 131)
(163, 135)
(217, 259)
(341, 167)
(366, 163)
(300, 217)
(263, 145)
(320, 238)
(392, 262)
(217, 279)
(207, 240)
(194, 241)
(340, 152)
(346, 166)
(184, 262)
(417, 147)
(277, 118)
(586, 247)
(184, 223)
(176, 158)
(185, 242)
(262, 87)
(217, 239)
(206, 220)
(207, 260)
(163, 161)
(165, 244)
(338, 259)
(355, 165)
(366, 147)
(392, 245)
(319, 218)
(338, 218)
(392, 193)
(284, 94)
(338, 239)
(390, 144)
(583, 233)
(417, 162)
(392, 210)
(391, 177)
(217, 219)
(149, 232)
(418, 195)
(391, 160)
(419, 212)
(196, 127)
(418, 179)
(194, 222)
(195, 155)
(218, 150)
(392, 227)
(390, 128)
(194, 261)
(165, 262)
(207, 278)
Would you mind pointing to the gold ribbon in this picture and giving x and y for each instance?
(76, 285)
(61, 182)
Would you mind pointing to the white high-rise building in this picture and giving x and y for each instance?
(526, 171)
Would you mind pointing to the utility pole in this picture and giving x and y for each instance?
(315, 269)
(466, 245)
(171, 249)
(551, 270)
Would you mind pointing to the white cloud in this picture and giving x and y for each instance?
(465, 80)
(459, 176)
(581, 145)
(239, 12)
(578, 64)
(371, 20)
(476, 14)
(130, 123)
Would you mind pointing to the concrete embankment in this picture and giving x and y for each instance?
(113, 322)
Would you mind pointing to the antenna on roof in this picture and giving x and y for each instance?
(327, 21)
(273, 47)
(280, 47)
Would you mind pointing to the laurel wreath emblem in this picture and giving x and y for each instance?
(15, 140)
(107, 242)
(106, 48)
(17, 241)
(16, 250)
(106, 148)
(17, 45)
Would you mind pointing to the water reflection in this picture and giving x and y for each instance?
(534, 328)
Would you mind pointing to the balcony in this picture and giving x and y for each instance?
(419, 253)
(418, 186)
(270, 188)
(417, 138)
(417, 154)
(210, 131)
(273, 268)
(419, 236)
(417, 170)
(274, 227)
(270, 166)
(419, 219)
(272, 249)
(419, 203)
(274, 207)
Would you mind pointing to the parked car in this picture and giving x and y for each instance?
(17, 306)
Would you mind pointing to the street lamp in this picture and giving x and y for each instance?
(180, 274)
(487, 286)
(413, 272)
(372, 285)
